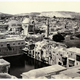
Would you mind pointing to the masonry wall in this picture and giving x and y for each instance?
(11, 48)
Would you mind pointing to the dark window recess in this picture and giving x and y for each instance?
(1, 45)
(41, 52)
(31, 28)
(59, 63)
(20, 47)
(33, 52)
(64, 60)
(21, 43)
(2, 37)
(6, 27)
(13, 43)
(9, 47)
(10, 29)
(13, 48)
(31, 47)
(19, 25)
(18, 43)
(78, 72)
(13, 24)
(60, 54)
(71, 63)
(78, 57)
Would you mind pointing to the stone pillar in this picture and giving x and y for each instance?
(7, 68)
(67, 63)
(40, 55)
(30, 52)
(34, 53)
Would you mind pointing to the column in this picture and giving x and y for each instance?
(40, 55)
(67, 63)
(34, 53)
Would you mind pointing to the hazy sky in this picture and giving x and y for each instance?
(26, 6)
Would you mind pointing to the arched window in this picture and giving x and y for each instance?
(9, 47)
(1, 45)
(59, 63)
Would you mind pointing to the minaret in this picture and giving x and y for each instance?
(31, 26)
(48, 28)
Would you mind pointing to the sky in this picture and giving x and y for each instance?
(17, 7)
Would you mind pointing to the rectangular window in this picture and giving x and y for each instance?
(18, 43)
(20, 47)
(71, 63)
(78, 57)
(78, 72)
(19, 25)
(9, 47)
(0, 50)
(13, 49)
(22, 43)
(13, 43)
(1, 45)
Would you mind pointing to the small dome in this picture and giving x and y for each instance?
(26, 20)
(13, 22)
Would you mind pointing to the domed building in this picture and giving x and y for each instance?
(14, 27)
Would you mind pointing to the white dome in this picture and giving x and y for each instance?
(26, 20)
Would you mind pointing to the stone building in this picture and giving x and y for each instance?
(71, 73)
(4, 66)
(7, 76)
(14, 27)
(45, 71)
(10, 47)
(3, 28)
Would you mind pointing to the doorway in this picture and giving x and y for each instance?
(64, 60)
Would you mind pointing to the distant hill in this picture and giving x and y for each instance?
(65, 14)
(35, 13)
(29, 14)
(4, 15)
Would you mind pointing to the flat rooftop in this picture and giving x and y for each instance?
(11, 39)
(4, 62)
(72, 72)
(74, 49)
(43, 71)
(6, 75)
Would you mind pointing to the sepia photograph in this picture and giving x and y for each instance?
(39, 39)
